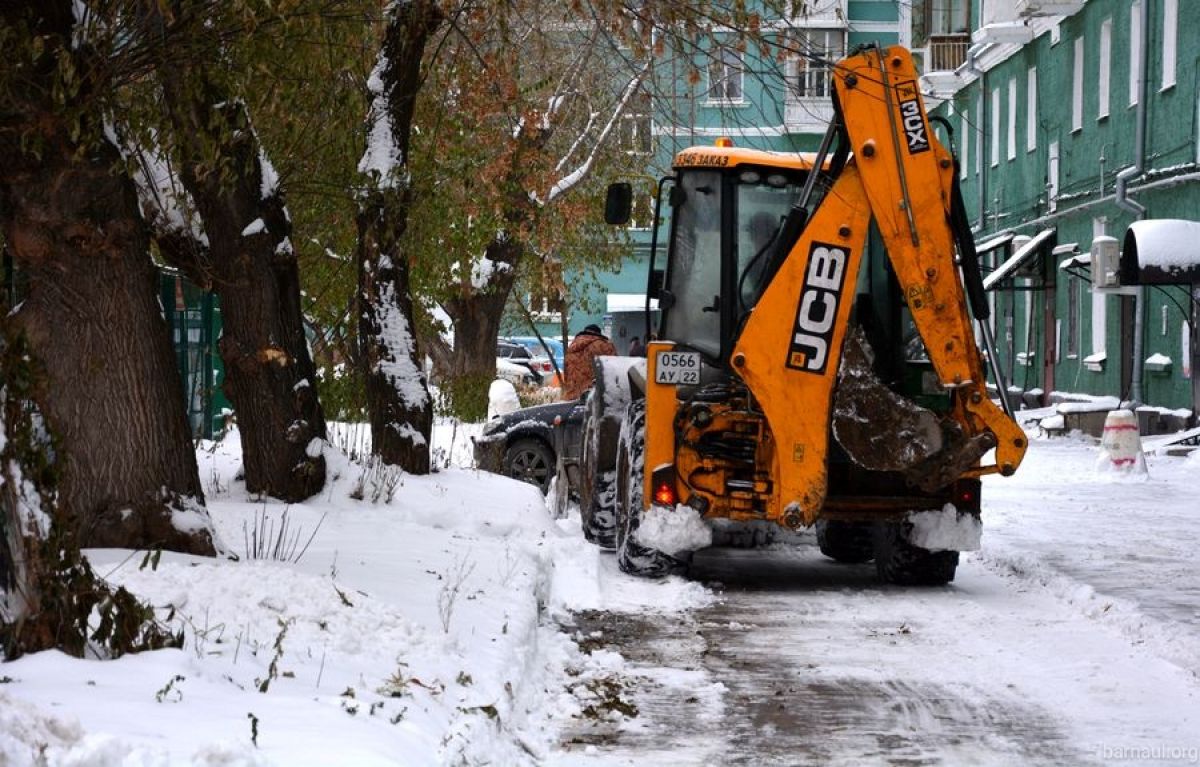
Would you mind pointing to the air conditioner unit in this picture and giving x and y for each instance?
(1027, 8)
(1106, 263)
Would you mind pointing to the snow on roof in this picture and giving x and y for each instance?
(1169, 244)
(1006, 270)
(1080, 259)
(628, 302)
(995, 242)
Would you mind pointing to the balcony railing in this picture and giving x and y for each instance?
(947, 52)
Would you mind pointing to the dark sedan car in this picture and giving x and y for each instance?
(526, 443)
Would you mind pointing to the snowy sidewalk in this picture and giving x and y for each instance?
(1120, 551)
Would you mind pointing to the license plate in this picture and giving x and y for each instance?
(677, 368)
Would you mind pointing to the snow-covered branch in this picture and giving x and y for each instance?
(569, 181)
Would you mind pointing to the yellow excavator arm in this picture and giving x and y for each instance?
(790, 349)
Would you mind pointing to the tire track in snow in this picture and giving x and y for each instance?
(1164, 639)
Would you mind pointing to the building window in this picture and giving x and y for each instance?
(636, 129)
(1105, 68)
(1170, 25)
(1135, 49)
(1185, 336)
(1077, 88)
(995, 127)
(811, 78)
(1031, 122)
(979, 128)
(964, 139)
(1074, 288)
(725, 75)
(1099, 301)
(948, 17)
(1052, 176)
(1012, 118)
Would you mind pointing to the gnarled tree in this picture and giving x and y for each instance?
(91, 316)
(247, 259)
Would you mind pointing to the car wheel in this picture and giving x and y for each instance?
(530, 460)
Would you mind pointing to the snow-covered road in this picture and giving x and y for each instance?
(1071, 638)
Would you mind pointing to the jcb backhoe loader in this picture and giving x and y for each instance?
(817, 363)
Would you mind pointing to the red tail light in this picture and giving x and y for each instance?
(664, 494)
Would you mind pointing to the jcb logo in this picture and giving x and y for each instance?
(820, 296)
(915, 130)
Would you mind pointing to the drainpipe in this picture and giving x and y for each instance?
(1124, 202)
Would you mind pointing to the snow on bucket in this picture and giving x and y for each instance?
(1121, 445)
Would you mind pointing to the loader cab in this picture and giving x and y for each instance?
(727, 206)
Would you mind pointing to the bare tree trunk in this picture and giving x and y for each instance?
(477, 316)
(112, 394)
(398, 402)
(269, 374)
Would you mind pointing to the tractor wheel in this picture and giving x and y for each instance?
(597, 496)
(850, 542)
(633, 557)
(898, 561)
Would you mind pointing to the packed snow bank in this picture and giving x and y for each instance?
(404, 632)
(673, 531)
(945, 530)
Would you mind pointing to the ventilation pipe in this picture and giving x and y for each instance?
(1124, 202)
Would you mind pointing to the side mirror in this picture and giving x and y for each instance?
(619, 203)
(654, 289)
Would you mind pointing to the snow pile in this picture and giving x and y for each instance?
(945, 530)
(502, 398)
(403, 633)
(616, 381)
(673, 531)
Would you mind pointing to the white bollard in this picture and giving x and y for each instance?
(1121, 446)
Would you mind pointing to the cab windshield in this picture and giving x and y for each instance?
(714, 280)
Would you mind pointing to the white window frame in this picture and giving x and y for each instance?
(1135, 49)
(1052, 163)
(995, 155)
(1012, 118)
(1099, 300)
(964, 145)
(1074, 289)
(979, 129)
(807, 79)
(1105, 69)
(1077, 87)
(732, 69)
(1031, 117)
(1169, 42)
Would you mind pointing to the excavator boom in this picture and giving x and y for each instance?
(790, 350)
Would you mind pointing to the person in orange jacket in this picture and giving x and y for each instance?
(589, 343)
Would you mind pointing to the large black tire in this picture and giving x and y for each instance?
(597, 491)
(849, 542)
(530, 460)
(898, 561)
(632, 557)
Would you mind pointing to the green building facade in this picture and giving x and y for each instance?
(1045, 110)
